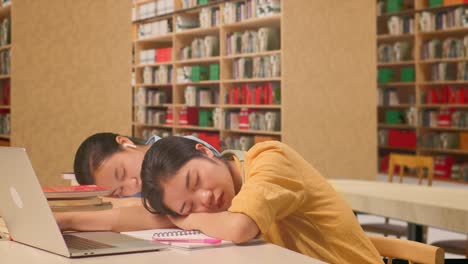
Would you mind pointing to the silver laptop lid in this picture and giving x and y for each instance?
(23, 205)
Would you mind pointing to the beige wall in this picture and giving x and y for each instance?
(329, 85)
(71, 64)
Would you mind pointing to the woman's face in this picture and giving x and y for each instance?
(201, 185)
(120, 173)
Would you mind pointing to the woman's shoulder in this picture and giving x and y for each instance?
(268, 146)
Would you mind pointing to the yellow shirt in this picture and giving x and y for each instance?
(295, 207)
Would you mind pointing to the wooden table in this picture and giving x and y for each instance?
(440, 207)
(14, 253)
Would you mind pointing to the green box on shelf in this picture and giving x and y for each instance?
(407, 74)
(393, 6)
(393, 117)
(436, 3)
(385, 75)
(199, 73)
(203, 2)
(205, 118)
(214, 72)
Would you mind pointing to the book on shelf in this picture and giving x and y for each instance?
(187, 22)
(155, 8)
(79, 191)
(455, 18)
(266, 8)
(400, 25)
(5, 31)
(209, 17)
(153, 29)
(252, 41)
(178, 238)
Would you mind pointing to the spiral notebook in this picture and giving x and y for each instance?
(178, 238)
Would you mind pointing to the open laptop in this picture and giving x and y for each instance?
(30, 221)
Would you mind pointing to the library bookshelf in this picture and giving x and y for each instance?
(422, 114)
(5, 48)
(319, 81)
(172, 120)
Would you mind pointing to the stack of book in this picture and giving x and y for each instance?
(152, 29)
(443, 20)
(76, 198)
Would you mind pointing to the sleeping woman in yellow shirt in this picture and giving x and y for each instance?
(272, 192)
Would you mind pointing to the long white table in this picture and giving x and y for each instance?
(15, 253)
(440, 207)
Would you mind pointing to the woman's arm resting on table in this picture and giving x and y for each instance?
(118, 219)
(235, 227)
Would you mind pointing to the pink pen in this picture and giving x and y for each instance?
(189, 240)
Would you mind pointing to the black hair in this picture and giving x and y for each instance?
(162, 161)
(93, 152)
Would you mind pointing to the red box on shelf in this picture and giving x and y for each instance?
(443, 166)
(401, 138)
(444, 118)
(183, 116)
(192, 116)
(211, 138)
(169, 116)
(244, 118)
(163, 55)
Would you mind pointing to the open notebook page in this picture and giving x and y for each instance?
(174, 233)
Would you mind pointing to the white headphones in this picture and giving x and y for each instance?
(128, 145)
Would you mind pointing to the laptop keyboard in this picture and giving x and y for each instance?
(79, 243)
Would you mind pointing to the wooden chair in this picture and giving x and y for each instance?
(456, 246)
(413, 252)
(403, 161)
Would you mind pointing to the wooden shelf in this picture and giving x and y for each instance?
(162, 38)
(422, 75)
(3, 136)
(429, 61)
(396, 126)
(397, 106)
(150, 125)
(448, 31)
(4, 107)
(445, 83)
(197, 83)
(443, 106)
(446, 151)
(397, 148)
(5, 47)
(153, 64)
(198, 60)
(397, 84)
(259, 132)
(180, 39)
(197, 106)
(196, 128)
(198, 32)
(227, 106)
(249, 55)
(394, 64)
(270, 21)
(153, 85)
(154, 106)
(253, 80)
(455, 129)
(401, 13)
(394, 37)
(4, 77)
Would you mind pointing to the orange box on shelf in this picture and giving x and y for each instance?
(454, 2)
(464, 141)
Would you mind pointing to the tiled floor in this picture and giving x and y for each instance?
(434, 234)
